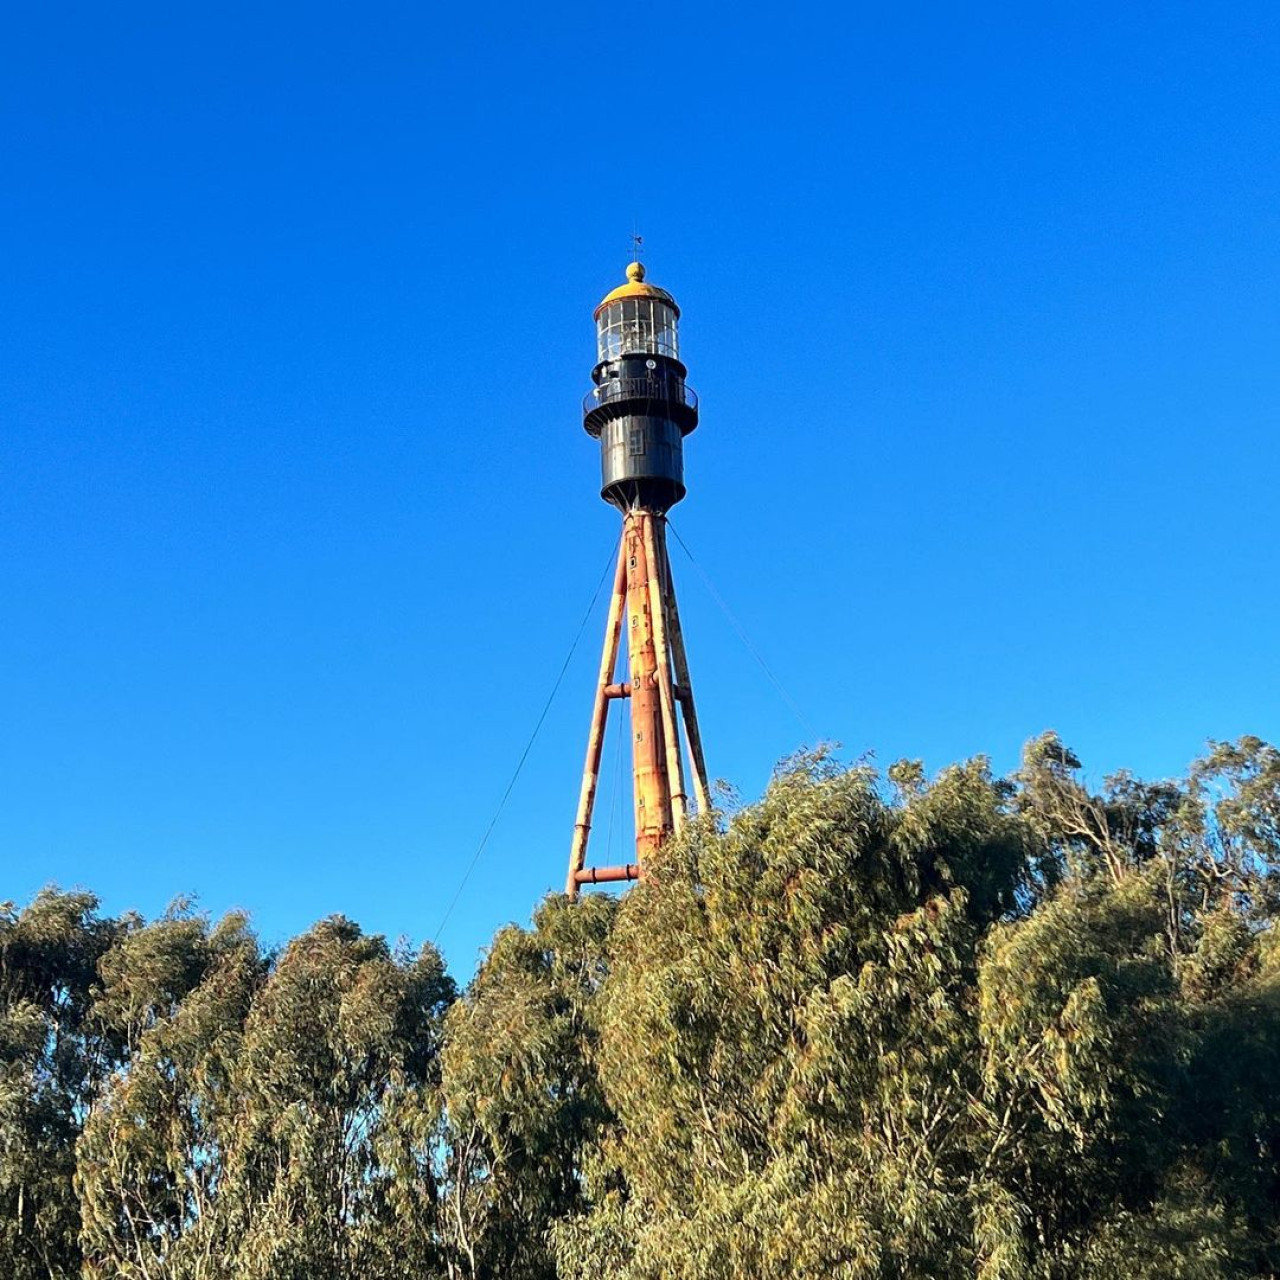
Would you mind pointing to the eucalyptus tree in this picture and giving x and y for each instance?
(974, 1027)
(272, 1117)
(151, 1161)
(526, 1111)
(52, 1057)
(333, 1168)
(788, 1042)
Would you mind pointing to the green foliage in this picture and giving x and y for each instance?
(1005, 1029)
(1017, 1029)
(331, 1169)
(801, 1018)
(525, 1107)
(52, 1061)
(151, 1160)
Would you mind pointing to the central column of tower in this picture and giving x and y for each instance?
(648, 743)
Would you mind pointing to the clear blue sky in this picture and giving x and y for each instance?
(297, 514)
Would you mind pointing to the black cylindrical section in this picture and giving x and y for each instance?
(641, 462)
(640, 410)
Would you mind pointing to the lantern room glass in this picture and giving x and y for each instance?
(637, 326)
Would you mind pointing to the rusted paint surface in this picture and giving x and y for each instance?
(652, 791)
(595, 737)
(644, 604)
(654, 545)
(607, 875)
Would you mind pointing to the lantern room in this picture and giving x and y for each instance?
(637, 319)
(639, 408)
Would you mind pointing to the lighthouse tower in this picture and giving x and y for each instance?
(641, 409)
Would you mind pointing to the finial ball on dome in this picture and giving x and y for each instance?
(635, 272)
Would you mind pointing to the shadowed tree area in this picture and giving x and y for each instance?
(867, 1027)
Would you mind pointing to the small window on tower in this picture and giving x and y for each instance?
(636, 443)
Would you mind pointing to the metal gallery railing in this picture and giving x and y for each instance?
(658, 389)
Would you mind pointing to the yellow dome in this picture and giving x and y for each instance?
(636, 288)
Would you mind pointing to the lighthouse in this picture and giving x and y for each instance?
(640, 408)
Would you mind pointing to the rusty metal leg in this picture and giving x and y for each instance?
(685, 685)
(599, 714)
(654, 543)
(652, 791)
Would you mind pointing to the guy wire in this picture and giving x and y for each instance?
(524, 755)
(742, 635)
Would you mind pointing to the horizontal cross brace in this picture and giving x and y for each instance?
(606, 875)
